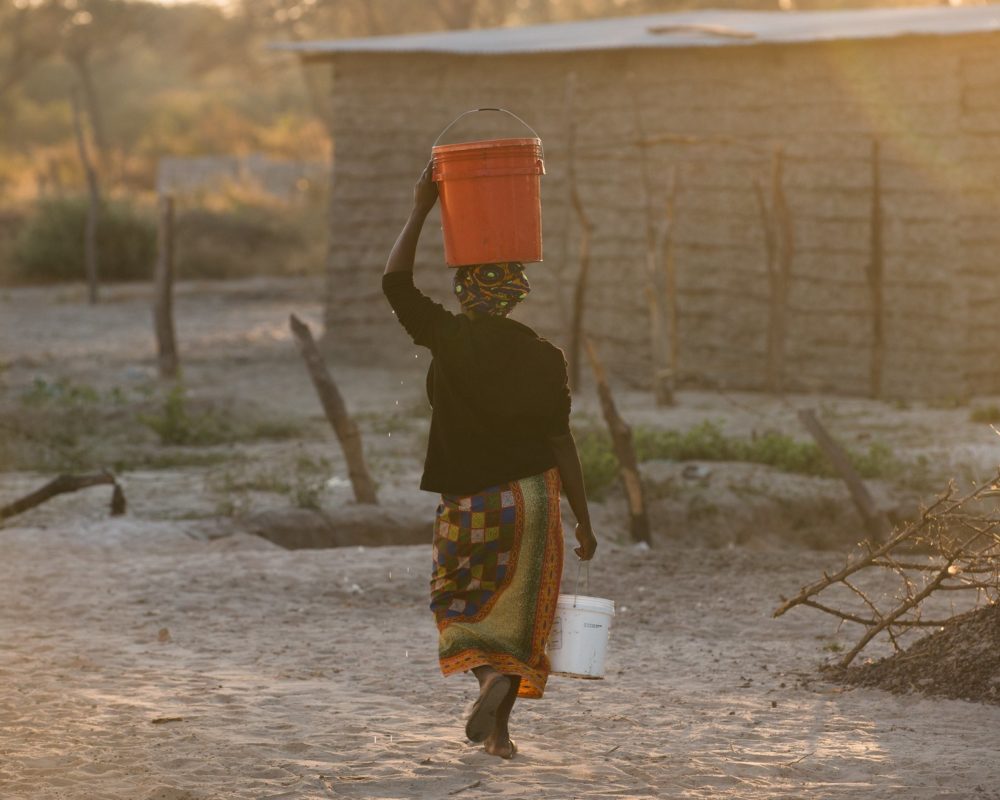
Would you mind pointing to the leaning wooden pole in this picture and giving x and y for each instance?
(876, 521)
(621, 440)
(163, 301)
(93, 206)
(336, 412)
(876, 270)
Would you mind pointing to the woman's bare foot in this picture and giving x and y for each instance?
(483, 719)
(500, 745)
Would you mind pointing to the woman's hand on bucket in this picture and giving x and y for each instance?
(425, 193)
(588, 542)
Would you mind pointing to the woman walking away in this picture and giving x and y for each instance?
(499, 451)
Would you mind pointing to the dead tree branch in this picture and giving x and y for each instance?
(65, 484)
(963, 554)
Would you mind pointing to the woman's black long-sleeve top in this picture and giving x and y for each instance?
(498, 392)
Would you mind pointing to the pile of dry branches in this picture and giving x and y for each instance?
(953, 546)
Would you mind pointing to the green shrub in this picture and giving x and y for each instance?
(985, 414)
(62, 391)
(600, 466)
(176, 424)
(707, 442)
(50, 244)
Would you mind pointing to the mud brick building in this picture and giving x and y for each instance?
(709, 97)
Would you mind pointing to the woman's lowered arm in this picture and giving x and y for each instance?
(568, 461)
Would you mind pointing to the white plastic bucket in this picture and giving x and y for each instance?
(579, 639)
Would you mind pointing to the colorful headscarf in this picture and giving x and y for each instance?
(491, 288)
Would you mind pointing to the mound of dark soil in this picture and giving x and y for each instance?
(370, 526)
(960, 661)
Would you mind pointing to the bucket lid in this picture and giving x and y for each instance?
(584, 603)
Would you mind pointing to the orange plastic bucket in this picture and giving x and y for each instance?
(491, 208)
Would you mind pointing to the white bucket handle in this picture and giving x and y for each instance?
(501, 110)
(576, 589)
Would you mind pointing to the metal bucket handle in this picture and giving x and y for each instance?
(503, 111)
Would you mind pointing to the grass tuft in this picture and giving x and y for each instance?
(707, 442)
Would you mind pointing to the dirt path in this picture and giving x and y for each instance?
(313, 674)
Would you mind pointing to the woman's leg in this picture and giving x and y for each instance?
(499, 742)
(493, 690)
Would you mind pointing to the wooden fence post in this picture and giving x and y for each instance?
(779, 247)
(621, 440)
(163, 300)
(668, 268)
(586, 229)
(876, 270)
(336, 412)
(580, 291)
(660, 377)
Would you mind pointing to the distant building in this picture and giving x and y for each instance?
(711, 94)
(282, 179)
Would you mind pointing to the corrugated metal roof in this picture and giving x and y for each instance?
(682, 29)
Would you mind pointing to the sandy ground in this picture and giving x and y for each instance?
(161, 656)
(313, 674)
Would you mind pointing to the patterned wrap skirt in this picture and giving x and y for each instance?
(497, 568)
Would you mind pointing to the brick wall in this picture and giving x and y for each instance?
(717, 115)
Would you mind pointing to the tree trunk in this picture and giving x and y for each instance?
(93, 207)
(92, 107)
